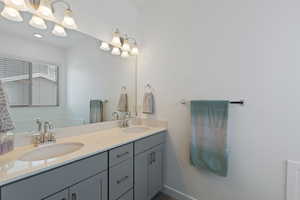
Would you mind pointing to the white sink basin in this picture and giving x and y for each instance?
(137, 129)
(51, 151)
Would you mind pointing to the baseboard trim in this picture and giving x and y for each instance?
(177, 194)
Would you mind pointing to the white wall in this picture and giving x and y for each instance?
(212, 49)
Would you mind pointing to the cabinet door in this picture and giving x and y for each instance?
(94, 188)
(141, 163)
(59, 196)
(155, 171)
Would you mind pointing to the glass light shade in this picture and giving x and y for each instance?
(126, 46)
(18, 4)
(38, 22)
(105, 46)
(59, 31)
(125, 54)
(68, 20)
(45, 9)
(116, 51)
(134, 51)
(116, 41)
(12, 14)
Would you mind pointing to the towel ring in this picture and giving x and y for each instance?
(148, 87)
(123, 89)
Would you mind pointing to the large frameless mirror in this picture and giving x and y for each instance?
(68, 81)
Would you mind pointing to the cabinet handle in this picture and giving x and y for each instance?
(74, 196)
(123, 154)
(154, 157)
(150, 159)
(63, 199)
(122, 179)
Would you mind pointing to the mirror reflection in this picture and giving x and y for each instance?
(68, 81)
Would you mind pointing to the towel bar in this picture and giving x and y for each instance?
(241, 102)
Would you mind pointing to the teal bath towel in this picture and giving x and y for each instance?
(96, 111)
(209, 136)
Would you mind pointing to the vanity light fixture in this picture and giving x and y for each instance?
(105, 46)
(116, 51)
(128, 45)
(38, 22)
(125, 54)
(12, 14)
(116, 40)
(42, 10)
(59, 30)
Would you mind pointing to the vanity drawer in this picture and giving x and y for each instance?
(120, 179)
(148, 143)
(42, 185)
(127, 196)
(120, 154)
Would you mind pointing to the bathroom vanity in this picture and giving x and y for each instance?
(55, 83)
(127, 170)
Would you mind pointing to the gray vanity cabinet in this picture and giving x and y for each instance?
(46, 184)
(155, 171)
(132, 171)
(94, 188)
(148, 167)
(59, 196)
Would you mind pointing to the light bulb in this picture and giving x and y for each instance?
(59, 31)
(125, 54)
(18, 4)
(38, 22)
(105, 46)
(45, 9)
(134, 50)
(116, 41)
(126, 46)
(68, 20)
(12, 14)
(116, 51)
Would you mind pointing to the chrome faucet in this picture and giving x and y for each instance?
(116, 115)
(45, 136)
(125, 121)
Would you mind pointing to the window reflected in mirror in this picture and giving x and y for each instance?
(29, 83)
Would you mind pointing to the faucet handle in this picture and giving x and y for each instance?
(51, 133)
(36, 138)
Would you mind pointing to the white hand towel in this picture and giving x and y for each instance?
(6, 123)
(148, 103)
(123, 103)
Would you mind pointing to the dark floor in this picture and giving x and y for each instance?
(163, 197)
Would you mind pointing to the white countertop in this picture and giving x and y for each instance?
(12, 169)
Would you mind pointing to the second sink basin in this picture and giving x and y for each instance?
(137, 129)
(51, 151)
